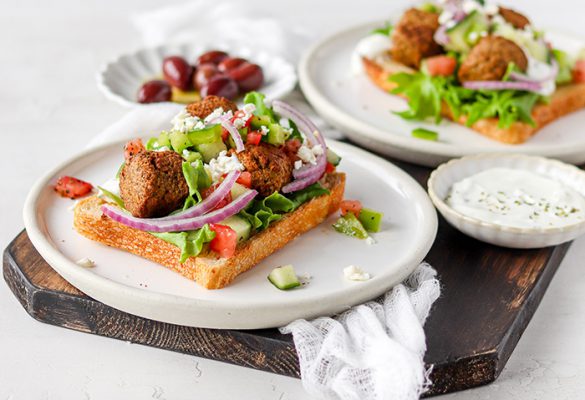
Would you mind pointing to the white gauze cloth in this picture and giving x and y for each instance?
(372, 351)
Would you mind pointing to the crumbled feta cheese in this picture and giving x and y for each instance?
(355, 273)
(86, 262)
(185, 153)
(305, 278)
(491, 9)
(185, 122)
(473, 36)
(445, 17)
(249, 108)
(317, 150)
(298, 164)
(470, 5)
(163, 148)
(306, 154)
(264, 130)
(218, 112)
(223, 164)
(370, 240)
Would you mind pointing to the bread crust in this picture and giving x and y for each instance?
(208, 269)
(565, 100)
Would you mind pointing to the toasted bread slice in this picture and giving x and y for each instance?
(565, 100)
(207, 269)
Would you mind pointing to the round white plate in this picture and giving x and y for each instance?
(135, 285)
(354, 105)
(120, 79)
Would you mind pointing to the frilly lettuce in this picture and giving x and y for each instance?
(191, 242)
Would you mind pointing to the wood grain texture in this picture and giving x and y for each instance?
(489, 296)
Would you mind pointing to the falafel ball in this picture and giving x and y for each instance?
(270, 166)
(413, 37)
(517, 20)
(206, 106)
(152, 183)
(488, 60)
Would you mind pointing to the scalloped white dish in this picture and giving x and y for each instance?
(141, 287)
(120, 79)
(443, 178)
(362, 111)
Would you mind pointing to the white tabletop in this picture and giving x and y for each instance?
(50, 108)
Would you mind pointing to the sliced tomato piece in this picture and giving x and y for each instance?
(292, 146)
(240, 114)
(133, 147)
(579, 72)
(245, 179)
(254, 137)
(224, 134)
(72, 188)
(352, 206)
(330, 168)
(440, 65)
(225, 240)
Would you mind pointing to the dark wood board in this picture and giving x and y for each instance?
(489, 296)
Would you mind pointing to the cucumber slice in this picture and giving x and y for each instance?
(240, 225)
(426, 134)
(163, 139)
(536, 48)
(210, 150)
(333, 158)
(260, 120)
(370, 219)
(238, 190)
(284, 278)
(180, 141)
(208, 135)
(150, 145)
(467, 32)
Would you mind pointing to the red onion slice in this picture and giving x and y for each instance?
(441, 36)
(299, 184)
(181, 225)
(304, 124)
(502, 85)
(207, 203)
(520, 77)
(232, 130)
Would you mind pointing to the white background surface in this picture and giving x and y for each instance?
(50, 107)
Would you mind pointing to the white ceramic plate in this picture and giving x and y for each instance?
(141, 287)
(443, 178)
(353, 104)
(120, 79)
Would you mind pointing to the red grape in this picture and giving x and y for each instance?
(230, 63)
(154, 92)
(220, 85)
(248, 76)
(213, 57)
(203, 74)
(177, 72)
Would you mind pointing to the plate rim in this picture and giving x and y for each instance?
(97, 286)
(106, 90)
(363, 132)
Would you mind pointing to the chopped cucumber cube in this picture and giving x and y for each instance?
(370, 219)
(152, 144)
(180, 141)
(333, 158)
(191, 156)
(208, 135)
(284, 278)
(276, 135)
(426, 134)
(260, 120)
(240, 225)
(163, 139)
(210, 151)
(351, 226)
(237, 190)
(467, 32)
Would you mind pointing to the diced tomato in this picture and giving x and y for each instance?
(245, 179)
(254, 137)
(579, 72)
(133, 147)
(224, 134)
(353, 206)
(292, 146)
(73, 188)
(330, 168)
(225, 240)
(224, 202)
(441, 65)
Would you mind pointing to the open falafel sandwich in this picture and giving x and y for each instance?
(476, 63)
(221, 190)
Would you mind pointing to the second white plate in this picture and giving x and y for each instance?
(138, 286)
(353, 104)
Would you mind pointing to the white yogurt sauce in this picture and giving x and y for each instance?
(370, 47)
(517, 198)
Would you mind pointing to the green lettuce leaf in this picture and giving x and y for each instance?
(566, 66)
(197, 179)
(425, 93)
(261, 213)
(191, 242)
(261, 109)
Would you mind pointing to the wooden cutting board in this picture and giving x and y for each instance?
(489, 296)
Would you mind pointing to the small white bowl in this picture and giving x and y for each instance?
(120, 79)
(443, 178)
